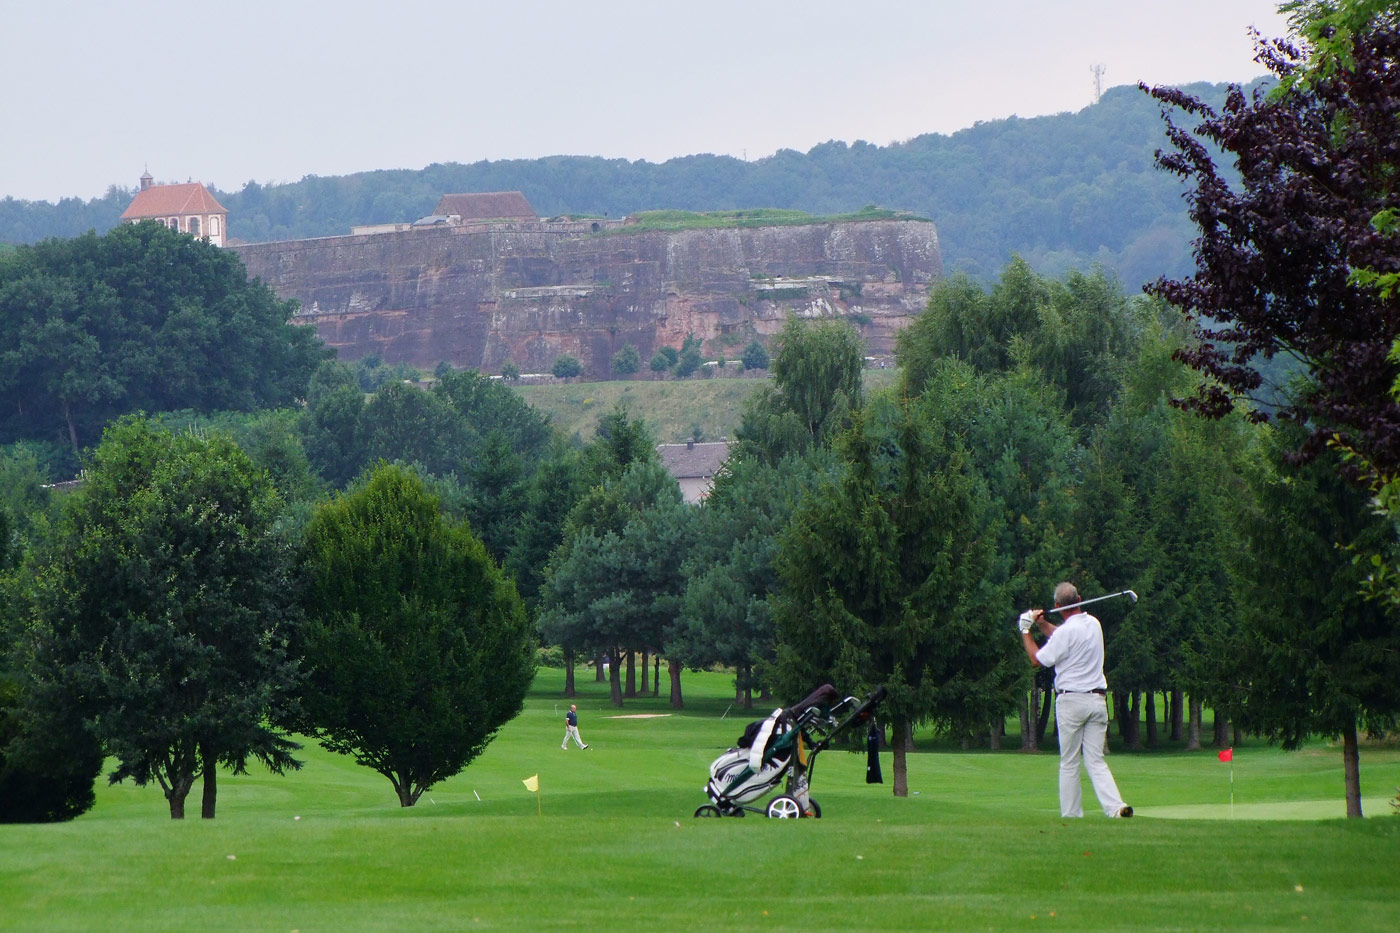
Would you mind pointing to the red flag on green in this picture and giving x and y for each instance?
(1227, 754)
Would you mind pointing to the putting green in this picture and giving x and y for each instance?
(1283, 810)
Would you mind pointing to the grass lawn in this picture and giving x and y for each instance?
(610, 843)
(754, 217)
(671, 408)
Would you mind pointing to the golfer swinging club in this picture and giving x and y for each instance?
(1074, 648)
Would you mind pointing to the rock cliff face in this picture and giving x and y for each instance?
(526, 293)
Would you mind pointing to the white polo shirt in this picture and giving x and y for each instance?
(1075, 651)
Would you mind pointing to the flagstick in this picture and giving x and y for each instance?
(539, 807)
(1232, 785)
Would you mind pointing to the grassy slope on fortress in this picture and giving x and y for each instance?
(671, 408)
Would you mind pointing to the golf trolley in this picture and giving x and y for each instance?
(785, 745)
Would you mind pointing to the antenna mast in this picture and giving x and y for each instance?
(1098, 71)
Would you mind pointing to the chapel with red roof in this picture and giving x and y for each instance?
(189, 208)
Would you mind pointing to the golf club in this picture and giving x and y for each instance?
(1097, 599)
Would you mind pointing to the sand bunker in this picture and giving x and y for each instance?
(638, 716)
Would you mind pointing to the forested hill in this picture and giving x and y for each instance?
(1061, 191)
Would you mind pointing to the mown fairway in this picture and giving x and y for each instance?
(979, 846)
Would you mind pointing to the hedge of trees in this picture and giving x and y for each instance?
(863, 540)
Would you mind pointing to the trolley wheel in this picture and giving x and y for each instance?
(784, 807)
(816, 808)
(708, 811)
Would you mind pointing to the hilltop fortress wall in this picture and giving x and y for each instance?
(480, 295)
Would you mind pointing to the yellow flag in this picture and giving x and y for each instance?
(532, 783)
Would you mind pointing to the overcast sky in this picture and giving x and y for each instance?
(272, 90)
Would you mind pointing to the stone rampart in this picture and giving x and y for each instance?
(483, 295)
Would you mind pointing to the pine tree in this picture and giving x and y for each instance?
(888, 578)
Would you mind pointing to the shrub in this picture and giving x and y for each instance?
(46, 768)
(689, 359)
(626, 361)
(566, 367)
(755, 357)
(549, 656)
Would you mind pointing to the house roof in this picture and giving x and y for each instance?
(693, 461)
(487, 205)
(169, 200)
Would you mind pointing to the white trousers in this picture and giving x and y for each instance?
(1081, 719)
(571, 732)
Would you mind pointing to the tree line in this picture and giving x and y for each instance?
(378, 571)
(140, 318)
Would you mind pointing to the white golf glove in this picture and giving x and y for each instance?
(1026, 620)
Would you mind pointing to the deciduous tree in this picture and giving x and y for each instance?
(164, 617)
(486, 406)
(1312, 655)
(1076, 333)
(403, 423)
(1317, 161)
(330, 424)
(141, 318)
(816, 384)
(417, 645)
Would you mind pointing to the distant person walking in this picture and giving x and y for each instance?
(1074, 648)
(571, 728)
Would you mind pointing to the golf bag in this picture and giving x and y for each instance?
(782, 747)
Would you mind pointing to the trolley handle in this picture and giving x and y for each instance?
(872, 700)
(859, 714)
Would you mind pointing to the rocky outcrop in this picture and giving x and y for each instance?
(482, 295)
